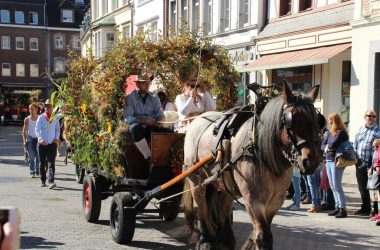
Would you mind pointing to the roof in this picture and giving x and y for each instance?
(297, 58)
(54, 8)
(340, 15)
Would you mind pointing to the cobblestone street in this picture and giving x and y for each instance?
(53, 219)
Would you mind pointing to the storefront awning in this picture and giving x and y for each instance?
(241, 68)
(297, 58)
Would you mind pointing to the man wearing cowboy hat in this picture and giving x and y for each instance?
(47, 131)
(143, 113)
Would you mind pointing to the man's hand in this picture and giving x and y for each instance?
(8, 237)
(42, 142)
(56, 141)
(150, 121)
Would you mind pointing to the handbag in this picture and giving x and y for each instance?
(373, 182)
(342, 162)
(324, 179)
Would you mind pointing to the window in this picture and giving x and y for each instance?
(224, 15)
(304, 5)
(20, 43)
(105, 6)
(243, 13)
(173, 15)
(33, 18)
(196, 14)
(110, 40)
(79, 2)
(184, 11)
(75, 42)
(285, 7)
(300, 78)
(19, 17)
(207, 18)
(5, 42)
(20, 69)
(6, 69)
(59, 41)
(5, 16)
(67, 16)
(33, 43)
(34, 70)
(153, 31)
(126, 31)
(59, 65)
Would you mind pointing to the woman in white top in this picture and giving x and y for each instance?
(30, 140)
(194, 101)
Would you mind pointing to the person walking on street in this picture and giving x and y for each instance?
(47, 131)
(337, 136)
(30, 140)
(363, 148)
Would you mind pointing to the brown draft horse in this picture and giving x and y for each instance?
(288, 121)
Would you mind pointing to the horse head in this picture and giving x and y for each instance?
(299, 122)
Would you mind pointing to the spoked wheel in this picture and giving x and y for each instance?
(122, 222)
(79, 173)
(91, 199)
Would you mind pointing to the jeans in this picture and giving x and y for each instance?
(297, 190)
(335, 179)
(362, 178)
(47, 161)
(34, 160)
(313, 180)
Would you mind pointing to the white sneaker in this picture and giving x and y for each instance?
(291, 205)
(52, 185)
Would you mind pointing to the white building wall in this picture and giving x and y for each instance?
(148, 11)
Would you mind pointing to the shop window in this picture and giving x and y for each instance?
(299, 78)
(285, 7)
(304, 5)
(346, 86)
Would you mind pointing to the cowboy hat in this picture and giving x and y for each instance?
(48, 102)
(143, 78)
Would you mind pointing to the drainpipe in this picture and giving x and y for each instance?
(131, 4)
(47, 47)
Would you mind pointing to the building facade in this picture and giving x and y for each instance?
(365, 74)
(308, 43)
(230, 23)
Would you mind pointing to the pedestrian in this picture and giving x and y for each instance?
(166, 105)
(194, 100)
(30, 140)
(372, 170)
(143, 113)
(47, 131)
(338, 135)
(363, 148)
(296, 181)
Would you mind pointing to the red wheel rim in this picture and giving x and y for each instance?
(87, 201)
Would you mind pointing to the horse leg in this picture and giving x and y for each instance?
(225, 238)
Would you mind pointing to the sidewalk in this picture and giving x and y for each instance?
(54, 219)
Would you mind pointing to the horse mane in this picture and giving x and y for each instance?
(269, 132)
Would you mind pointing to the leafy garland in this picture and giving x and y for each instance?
(93, 93)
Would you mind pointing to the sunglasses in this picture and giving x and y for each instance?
(371, 116)
(194, 86)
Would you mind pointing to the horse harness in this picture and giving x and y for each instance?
(229, 124)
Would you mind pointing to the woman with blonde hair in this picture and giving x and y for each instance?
(338, 134)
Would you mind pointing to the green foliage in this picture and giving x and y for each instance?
(93, 94)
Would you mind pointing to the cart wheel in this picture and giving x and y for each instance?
(122, 222)
(79, 173)
(169, 210)
(90, 199)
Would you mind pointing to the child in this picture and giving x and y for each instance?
(297, 190)
(375, 167)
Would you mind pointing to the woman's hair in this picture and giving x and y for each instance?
(376, 142)
(33, 105)
(337, 123)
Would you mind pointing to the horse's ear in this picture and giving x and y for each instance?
(287, 94)
(313, 93)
